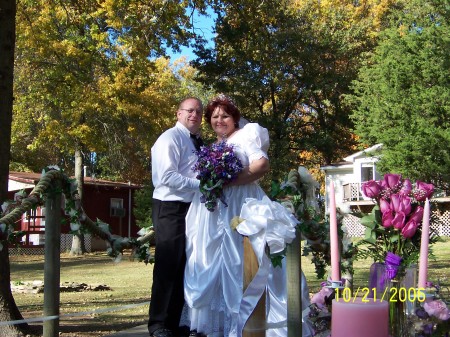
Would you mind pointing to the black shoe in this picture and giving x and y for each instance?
(161, 333)
(194, 333)
(183, 331)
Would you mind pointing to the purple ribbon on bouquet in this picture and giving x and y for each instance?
(393, 262)
(380, 273)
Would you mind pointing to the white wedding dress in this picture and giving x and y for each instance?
(214, 267)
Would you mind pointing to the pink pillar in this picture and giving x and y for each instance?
(334, 238)
(423, 262)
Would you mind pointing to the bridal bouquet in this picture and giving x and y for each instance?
(394, 225)
(217, 166)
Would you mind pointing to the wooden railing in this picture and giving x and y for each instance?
(50, 189)
(51, 185)
(352, 192)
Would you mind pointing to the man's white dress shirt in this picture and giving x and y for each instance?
(172, 160)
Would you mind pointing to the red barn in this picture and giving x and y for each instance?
(109, 201)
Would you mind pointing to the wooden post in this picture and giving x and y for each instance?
(256, 323)
(294, 310)
(52, 260)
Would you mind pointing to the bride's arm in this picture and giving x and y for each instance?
(254, 171)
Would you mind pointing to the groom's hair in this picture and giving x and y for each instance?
(188, 98)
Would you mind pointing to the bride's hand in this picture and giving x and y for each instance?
(253, 172)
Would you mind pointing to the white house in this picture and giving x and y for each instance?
(349, 174)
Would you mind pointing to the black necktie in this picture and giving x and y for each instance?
(197, 141)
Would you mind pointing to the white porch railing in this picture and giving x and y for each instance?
(352, 192)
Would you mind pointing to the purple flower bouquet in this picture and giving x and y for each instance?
(393, 228)
(217, 166)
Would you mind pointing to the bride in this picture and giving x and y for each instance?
(214, 268)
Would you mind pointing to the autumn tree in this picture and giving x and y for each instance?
(8, 307)
(80, 67)
(402, 93)
(87, 70)
(288, 64)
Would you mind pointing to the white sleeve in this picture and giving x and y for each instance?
(166, 156)
(257, 141)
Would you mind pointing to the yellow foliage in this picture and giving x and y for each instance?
(324, 12)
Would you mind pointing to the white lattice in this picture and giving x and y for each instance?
(66, 242)
(26, 251)
(66, 245)
(355, 188)
(354, 227)
(441, 226)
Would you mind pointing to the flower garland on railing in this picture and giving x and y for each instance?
(79, 222)
(12, 210)
(298, 193)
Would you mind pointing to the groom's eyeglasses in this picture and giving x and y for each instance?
(192, 110)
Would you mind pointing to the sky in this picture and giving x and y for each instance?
(203, 26)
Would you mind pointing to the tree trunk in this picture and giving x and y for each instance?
(7, 41)
(8, 307)
(78, 247)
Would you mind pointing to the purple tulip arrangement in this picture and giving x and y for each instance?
(393, 227)
(216, 167)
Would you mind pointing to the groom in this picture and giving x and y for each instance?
(175, 184)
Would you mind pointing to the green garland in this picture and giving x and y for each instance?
(313, 227)
(81, 223)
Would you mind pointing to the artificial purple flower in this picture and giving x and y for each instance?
(421, 313)
(401, 204)
(399, 220)
(320, 298)
(217, 165)
(429, 284)
(427, 329)
(387, 218)
(423, 191)
(406, 188)
(371, 189)
(391, 181)
(438, 309)
(385, 206)
(410, 229)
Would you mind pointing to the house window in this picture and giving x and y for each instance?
(116, 207)
(367, 172)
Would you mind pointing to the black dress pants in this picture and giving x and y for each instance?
(167, 298)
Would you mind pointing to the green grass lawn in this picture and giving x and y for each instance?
(130, 283)
(438, 269)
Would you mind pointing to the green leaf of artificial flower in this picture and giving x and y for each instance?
(395, 238)
(368, 221)
(370, 236)
(276, 260)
